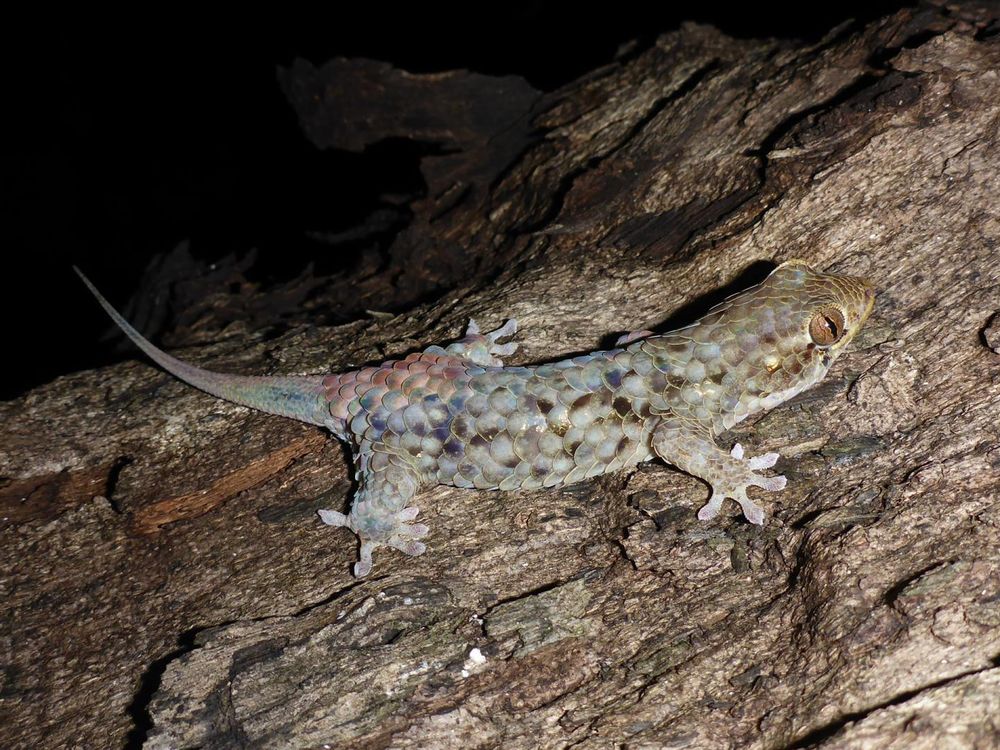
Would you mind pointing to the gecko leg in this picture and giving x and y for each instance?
(730, 474)
(380, 515)
(482, 348)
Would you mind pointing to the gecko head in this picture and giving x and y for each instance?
(762, 346)
(780, 337)
(822, 311)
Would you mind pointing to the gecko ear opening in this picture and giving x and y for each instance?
(827, 326)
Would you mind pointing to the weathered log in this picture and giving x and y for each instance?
(167, 581)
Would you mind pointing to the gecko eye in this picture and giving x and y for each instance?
(827, 326)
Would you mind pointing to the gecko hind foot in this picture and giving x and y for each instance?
(407, 546)
(373, 533)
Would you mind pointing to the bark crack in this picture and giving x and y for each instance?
(831, 729)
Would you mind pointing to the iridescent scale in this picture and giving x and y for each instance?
(500, 427)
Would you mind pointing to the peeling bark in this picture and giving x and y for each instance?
(866, 613)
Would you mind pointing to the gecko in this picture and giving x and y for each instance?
(456, 415)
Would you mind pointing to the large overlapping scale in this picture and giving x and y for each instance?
(499, 427)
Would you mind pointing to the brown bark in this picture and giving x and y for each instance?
(165, 571)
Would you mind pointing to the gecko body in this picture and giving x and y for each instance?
(456, 415)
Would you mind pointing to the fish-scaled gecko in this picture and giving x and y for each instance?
(456, 415)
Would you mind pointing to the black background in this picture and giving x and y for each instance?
(132, 133)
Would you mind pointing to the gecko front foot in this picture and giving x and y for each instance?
(374, 531)
(736, 488)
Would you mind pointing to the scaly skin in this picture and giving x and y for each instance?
(457, 416)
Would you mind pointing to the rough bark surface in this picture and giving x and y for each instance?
(166, 581)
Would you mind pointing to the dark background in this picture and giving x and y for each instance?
(132, 134)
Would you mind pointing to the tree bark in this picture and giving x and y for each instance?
(168, 583)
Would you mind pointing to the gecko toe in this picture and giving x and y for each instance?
(414, 530)
(410, 530)
(507, 329)
(753, 512)
(405, 536)
(362, 569)
(364, 564)
(771, 484)
(502, 350)
(764, 462)
(409, 546)
(711, 509)
(333, 518)
(408, 514)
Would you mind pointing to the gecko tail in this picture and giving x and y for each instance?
(300, 398)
